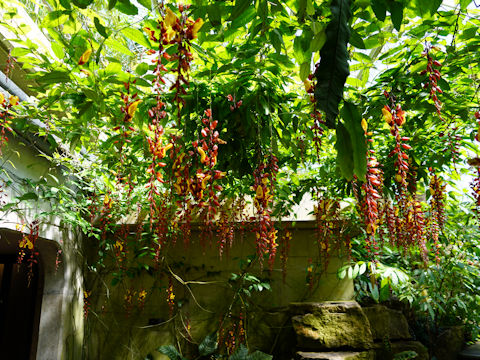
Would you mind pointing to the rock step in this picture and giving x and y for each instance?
(336, 355)
(331, 325)
(471, 352)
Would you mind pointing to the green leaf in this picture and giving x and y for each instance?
(396, 11)
(304, 71)
(374, 292)
(58, 50)
(343, 146)
(208, 345)
(435, 4)
(111, 4)
(318, 41)
(356, 40)
(28, 196)
(171, 352)
(126, 7)
(214, 14)
(239, 8)
(240, 354)
(262, 10)
(146, 3)
(82, 3)
(56, 76)
(353, 124)
(102, 30)
(136, 36)
(302, 8)
(333, 69)
(8, 206)
(301, 47)
(380, 9)
(464, 4)
(118, 46)
(342, 272)
(350, 272)
(55, 18)
(258, 355)
(356, 270)
(20, 51)
(310, 9)
(141, 69)
(66, 4)
(276, 39)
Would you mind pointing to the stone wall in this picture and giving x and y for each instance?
(208, 297)
(58, 326)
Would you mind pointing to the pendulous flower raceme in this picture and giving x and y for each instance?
(371, 189)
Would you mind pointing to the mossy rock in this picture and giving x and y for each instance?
(331, 325)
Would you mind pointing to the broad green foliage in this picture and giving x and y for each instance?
(333, 69)
(257, 64)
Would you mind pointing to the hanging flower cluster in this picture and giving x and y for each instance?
(395, 118)
(326, 214)
(476, 191)
(128, 109)
(475, 186)
(9, 65)
(170, 296)
(234, 104)
(434, 75)
(231, 222)
(453, 144)
(106, 215)
(5, 117)
(266, 234)
(318, 122)
(86, 303)
(371, 188)
(176, 31)
(231, 333)
(142, 296)
(437, 201)
(207, 148)
(284, 251)
(180, 31)
(128, 301)
(27, 246)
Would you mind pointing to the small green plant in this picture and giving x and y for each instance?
(405, 355)
(209, 348)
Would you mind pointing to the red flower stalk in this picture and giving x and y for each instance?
(318, 122)
(416, 225)
(437, 201)
(179, 31)
(395, 118)
(433, 71)
(325, 216)
(265, 232)
(128, 301)
(170, 296)
(226, 230)
(371, 193)
(235, 104)
(27, 246)
(284, 251)
(86, 303)
(5, 118)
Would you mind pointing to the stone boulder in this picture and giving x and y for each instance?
(387, 323)
(331, 325)
(383, 352)
(364, 355)
(449, 343)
